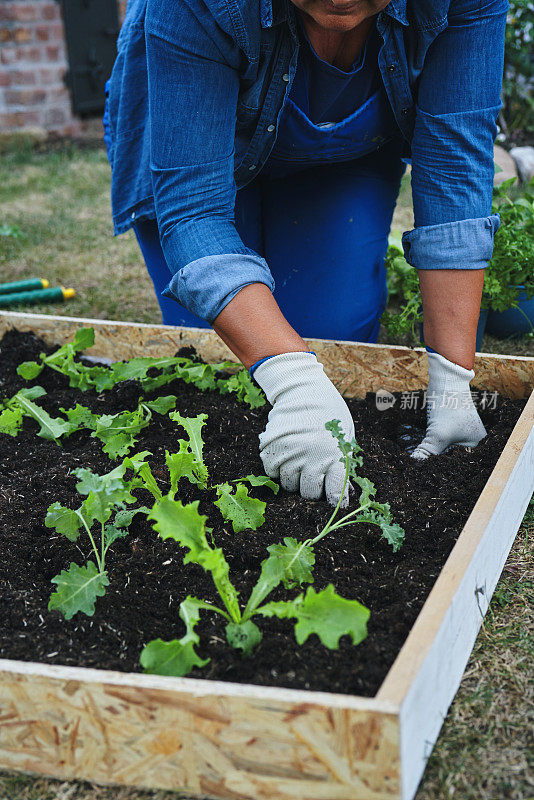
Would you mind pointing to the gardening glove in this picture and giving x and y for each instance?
(295, 447)
(451, 414)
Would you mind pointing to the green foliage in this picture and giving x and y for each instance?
(510, 266)
(22, 405)
(11, 231)
(518, 82)
(245, 389)
(324, 613)
(194, 446)
(513, 253)
(105, 495)
(78, 589)
(177, 657)
(152, 373)
(243, 511)
(290, 563)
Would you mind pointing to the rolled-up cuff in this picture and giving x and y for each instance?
(205, 286)
(467, 244)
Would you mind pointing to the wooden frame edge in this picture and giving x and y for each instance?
(448, 623)
(355, 367)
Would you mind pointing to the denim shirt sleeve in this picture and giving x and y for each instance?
(193, 82)
(452, 149)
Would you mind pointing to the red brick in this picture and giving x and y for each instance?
(42, 33)
(21, 35)
(52, 75)
(24, 97)
(24, 12)
(56, 93)
(5, 78)
(57, 31)
(31, 54)
(8, 55)
(5, 35)
(50, 11)
(23, 77)
(53, 52)
(55, 116)
(19, 119)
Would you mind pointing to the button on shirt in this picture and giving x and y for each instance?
(198, 84)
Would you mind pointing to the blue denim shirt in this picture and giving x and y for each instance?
(195, 99)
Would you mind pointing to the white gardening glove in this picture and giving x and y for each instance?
(451, 414)
(295, 447)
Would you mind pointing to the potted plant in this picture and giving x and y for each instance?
(507, 307)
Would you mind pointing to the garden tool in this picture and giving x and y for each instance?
(55, 294)
(28, 285)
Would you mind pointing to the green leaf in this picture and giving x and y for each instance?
(298, 560)
(349, 449)
(83, 339)
(111, 486)
(183, 465)
(175, 658)
(11, 421)
(78, 589)
(64, 521)
(124, 517)
(243, 635)
(31, 393)
(259, 480)
(380, 514)
(183, 523)
(174, 520)
(243, 511)
(142, 470)
(29, 370)
(291, 563)
(112, 533)
(324, 613)
(246, 389)
(193, 427)
(367, 487)
(80, 417)
(49, 427)
(162, 405)
(119, 431)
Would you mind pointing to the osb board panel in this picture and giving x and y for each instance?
(243, 745)
(354, 367)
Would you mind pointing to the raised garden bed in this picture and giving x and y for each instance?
(300, 722)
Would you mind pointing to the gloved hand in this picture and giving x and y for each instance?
(295, 446)
(451, 414)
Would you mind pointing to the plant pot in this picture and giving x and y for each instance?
(513, 321)
(481, 327)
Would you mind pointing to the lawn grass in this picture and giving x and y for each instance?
(60, 202)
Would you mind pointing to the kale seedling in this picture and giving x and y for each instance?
(203, 376)
(78, 587)
(290, 563)
(324, 613)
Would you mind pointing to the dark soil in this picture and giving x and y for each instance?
(430, 499)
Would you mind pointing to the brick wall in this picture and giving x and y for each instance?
(33, 62)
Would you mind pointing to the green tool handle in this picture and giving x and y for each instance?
(29, 298)
(28, 285)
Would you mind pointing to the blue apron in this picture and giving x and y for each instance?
(301, 143)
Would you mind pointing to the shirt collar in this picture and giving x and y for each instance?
(397, 10)
(273, 12)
